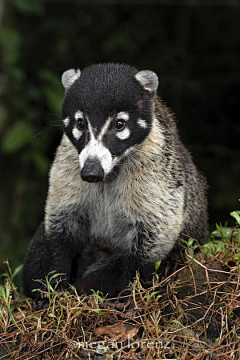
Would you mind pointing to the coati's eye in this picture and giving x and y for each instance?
(120, 124)
(80, 124)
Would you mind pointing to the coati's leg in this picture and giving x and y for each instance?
(113, 274)
(91, 255)
(36, 264)
(46, 255)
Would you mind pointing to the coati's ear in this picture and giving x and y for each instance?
(148, 79)
(69, 77)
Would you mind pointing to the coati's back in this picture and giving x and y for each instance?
(121, 180)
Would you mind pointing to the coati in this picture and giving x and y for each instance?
(122, 183)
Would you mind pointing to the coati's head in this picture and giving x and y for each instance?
(107, 112)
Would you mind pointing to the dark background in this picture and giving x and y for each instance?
(193, 46)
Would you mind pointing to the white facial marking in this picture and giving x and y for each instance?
(123, 115)
(124, 134)
(66, 121)
(142, 123)
(96, 149)
(104, 128)
(129, 150)
(78, 115)
(76, 133)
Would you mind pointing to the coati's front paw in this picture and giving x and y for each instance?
(85, 286)
(118, 300)
(110, 276)
(59, 284)
(41, 300)
(111, 289)
(40, 304)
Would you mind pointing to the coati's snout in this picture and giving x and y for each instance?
(92, 171)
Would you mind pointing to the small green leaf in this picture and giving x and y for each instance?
(236, 256)
(190, 242)
(218, 227)
(219, 246)
(157, 265)
(7, 290)
(17, 270)
(227, 232)
(55, 275)
(236, 216)
(99, 311)
(176, 322)
(2, 292)
(153, 293)
(217, 233)
(52, 315)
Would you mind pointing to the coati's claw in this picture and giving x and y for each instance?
(40, 304)
(44, 295)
